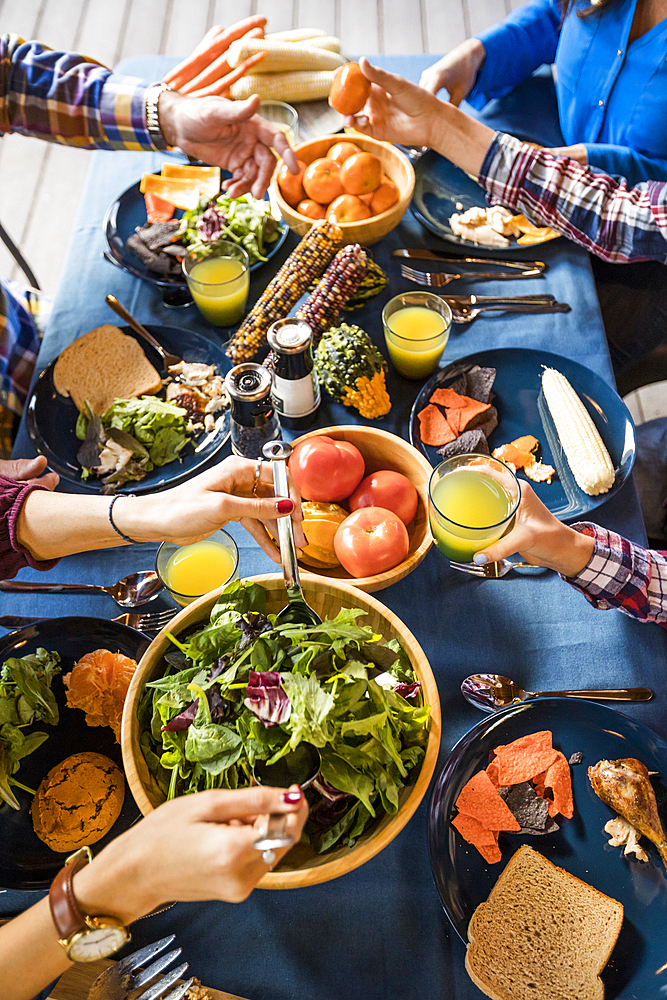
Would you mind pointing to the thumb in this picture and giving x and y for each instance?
(22, 469)
(503, 548)
(236, 508)
(235, 112)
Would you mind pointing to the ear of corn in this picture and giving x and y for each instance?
(584, 449)
(338, 283)
(295, 34)
(282, 57)
(290, 87)
(329, 42)
(307, 261)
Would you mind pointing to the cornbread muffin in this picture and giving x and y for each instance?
(78, 801)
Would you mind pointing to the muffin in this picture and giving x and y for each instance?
(78, 801)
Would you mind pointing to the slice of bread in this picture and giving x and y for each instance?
(102, 365)
(542, 934)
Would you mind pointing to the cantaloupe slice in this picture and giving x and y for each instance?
(181, 192)
(208, 177)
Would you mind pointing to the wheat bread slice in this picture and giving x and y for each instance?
(542, 934)
(103, 365)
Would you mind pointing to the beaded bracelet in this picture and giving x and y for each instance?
(125, 538)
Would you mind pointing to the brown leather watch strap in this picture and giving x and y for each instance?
(65, 911)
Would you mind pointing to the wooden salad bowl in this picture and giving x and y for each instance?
(383, 450)
(395, 165)
(300, 866)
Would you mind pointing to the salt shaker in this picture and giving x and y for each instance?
(254, 420)
(296, 391)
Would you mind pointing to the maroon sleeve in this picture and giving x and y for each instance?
(13, 556)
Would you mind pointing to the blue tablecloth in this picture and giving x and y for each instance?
(380, 931)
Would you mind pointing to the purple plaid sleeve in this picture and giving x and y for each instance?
(70, 99)
(623, 575)
(599, 212)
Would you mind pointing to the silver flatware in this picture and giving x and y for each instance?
(496, 570)
(465, 314)
(122, 978)
(491, 692)
(222, 424)
(298, 611)
(152, 622)
(130, 592)
(298, 767)
(460, 301)
(437, 279)
(120, 310)
(521, 265)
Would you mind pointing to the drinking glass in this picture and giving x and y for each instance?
(416, 331)
(209, 564)
(473, 501)
(284, 116)
(218, 278)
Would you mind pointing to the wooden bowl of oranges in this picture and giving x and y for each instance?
(342, 485)
(364, 185)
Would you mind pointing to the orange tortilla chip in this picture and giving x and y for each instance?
(491, 854)
(538, 783)
(522, 759)
(433, 427)
(486, 841)
(492, 771)
(558, 779)
(542, 740)
(448, 398)
(478, 798)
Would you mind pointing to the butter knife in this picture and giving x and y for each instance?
(419, 254)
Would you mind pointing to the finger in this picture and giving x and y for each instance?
(22, 469)
(266, 163)
(222, 805)
(50, 480)
(258, 532)
(505, 547)
(258, 508)
(390, 82)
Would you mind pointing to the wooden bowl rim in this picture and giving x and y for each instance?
(377, 842)
(402, 202)
(378, 581)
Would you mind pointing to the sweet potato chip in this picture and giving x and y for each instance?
(479, 799)
(558, 779)
(433, 426)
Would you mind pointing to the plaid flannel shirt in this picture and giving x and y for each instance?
(623, 575)
(65, 98)
(599, 212)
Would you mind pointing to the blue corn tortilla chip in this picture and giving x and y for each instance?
(474, 440)
(576, 758)
(529, 809)
(479, 382)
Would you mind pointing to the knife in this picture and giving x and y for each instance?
(478, 300)
(419, 254)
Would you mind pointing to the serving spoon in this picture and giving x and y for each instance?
(491, 692)
(130, 592)
(297, 612)
(298, 767)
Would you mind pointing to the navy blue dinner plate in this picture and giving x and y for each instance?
(122, 218)
(441, 189)
(464, 879)
(25, 861)
(51, 418)
(522, 410)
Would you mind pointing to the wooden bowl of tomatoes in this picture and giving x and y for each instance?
(362, 184)
(376, 485)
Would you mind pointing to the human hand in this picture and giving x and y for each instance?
(198, 507)
(541, 539)
(195, 847)
(228, 134)
(456, 72)
(577, 152)
(29, 470)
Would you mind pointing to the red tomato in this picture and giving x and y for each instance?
(326, 469)
(371, 541)
(387, 489)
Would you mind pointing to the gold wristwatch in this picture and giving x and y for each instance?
(84, 938)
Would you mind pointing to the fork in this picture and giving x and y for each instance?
(144, 622)
(436, 279)
(122, 978)
(493, 570)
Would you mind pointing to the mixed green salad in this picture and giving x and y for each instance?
(130, 439)
(246, 221)
(25, 698)
(246, 689)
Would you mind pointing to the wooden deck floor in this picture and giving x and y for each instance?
(40, 183)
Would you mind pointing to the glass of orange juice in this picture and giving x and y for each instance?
(472, 502)
(416, 331)
(219, 278)
(189, 571)
(284, 116)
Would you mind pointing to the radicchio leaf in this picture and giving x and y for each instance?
(216, 703)
(407, 690)
(183, 719)
(266, 699)
(331, 806)
(252, 625)
(210, 223)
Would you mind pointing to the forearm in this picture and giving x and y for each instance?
(460, 138)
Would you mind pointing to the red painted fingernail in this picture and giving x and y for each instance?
(292, 798)
(284, 506)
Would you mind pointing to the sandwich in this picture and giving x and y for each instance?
(104, 365)
(541, 933)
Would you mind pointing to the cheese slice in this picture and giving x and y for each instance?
(208, 177)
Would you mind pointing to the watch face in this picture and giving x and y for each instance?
(97, 942)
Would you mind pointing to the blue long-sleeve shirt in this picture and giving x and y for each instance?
(612, 96)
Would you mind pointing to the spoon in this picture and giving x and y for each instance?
(298, 767)
(491, 692)
(297, 612)
(120, 310)
(130, 592)
(466, 314)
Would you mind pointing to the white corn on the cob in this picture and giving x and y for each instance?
(282, 57)
(324, 42)
(584, 449)
(295, 34)
(290, 87)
